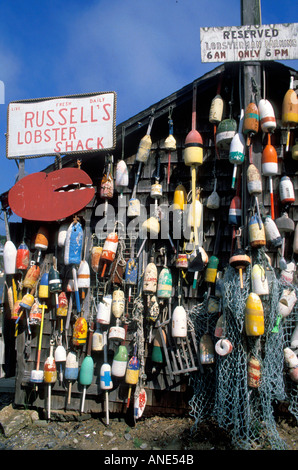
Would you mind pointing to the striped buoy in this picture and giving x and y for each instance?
(164, 286)
(267, 116)
(254, 315)
(120, 360)
(109, 250)
(256, 230)
(253, 373)
(225, 132)
(235, 211)
(286, 190)
(251, 121)
(211, 271)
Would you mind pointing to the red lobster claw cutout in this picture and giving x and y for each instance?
(51, 196)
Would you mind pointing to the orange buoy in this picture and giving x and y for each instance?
(251, 121)
(270, 168)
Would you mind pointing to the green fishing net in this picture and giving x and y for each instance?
(222, 392)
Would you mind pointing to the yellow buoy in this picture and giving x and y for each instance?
(254, 315)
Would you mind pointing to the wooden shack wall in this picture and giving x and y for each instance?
(165, 393)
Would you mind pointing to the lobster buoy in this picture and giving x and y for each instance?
(152, 226)
(118, 303)
(22, 258)
(164, 286)
(270, 167)
(181, 261)
(237, 149)
(83, 275)
(193, 151)
(206, 348)
(254, 315)
(41, 241)
(109, 250)
(290, 110)
(73, 244)
(119, 363)
(179, 322)
(223, 347)
(216, 109)
(144, 149)
(295, 150)
(198, 214)
(121, 176)
(157, 355)
(9, 257)
(272, 233)
(240, 260)
(253, 373)
(71, 371)
(106, 382)
(257, 236)
(80, 332)
(104, 310)
(132, 374)
(62, 305)
(286, 190)
(134, 208)
(150, 278)
(254, 180)
(211, 271)
(259, 280)
(62, 235)
(267, 116)
(95, 257)
(180, 198)
(292, 362)
(31, 276)
(251, 121)
(225, 132)
(219, 331)
(235, 211)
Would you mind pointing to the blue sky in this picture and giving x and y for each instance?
(142, 50)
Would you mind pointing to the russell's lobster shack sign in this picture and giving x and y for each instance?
(61, 125)
(249, 42)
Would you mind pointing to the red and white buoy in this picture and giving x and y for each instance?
(109, 250)
(267, 116)
(270, 168)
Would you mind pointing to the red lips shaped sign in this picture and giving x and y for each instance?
(51, 196)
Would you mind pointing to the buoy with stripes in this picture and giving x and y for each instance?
(211, 271)
(164, 285)
(150, 277)
(286, 190)
(235, 212)
(253, 372)
(71, 372)
(50, 375)
(132, 374)
(109, 250)
(254, 315)
(270, 168)
(41, 241)
(120, 360)
(256, 230)
(237, 149)
(87, 370)
(251, 122)
(267, 116)
(80, 332)
(225, 132)
(290, 110)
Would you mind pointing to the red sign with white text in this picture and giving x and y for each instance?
(70, 124)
